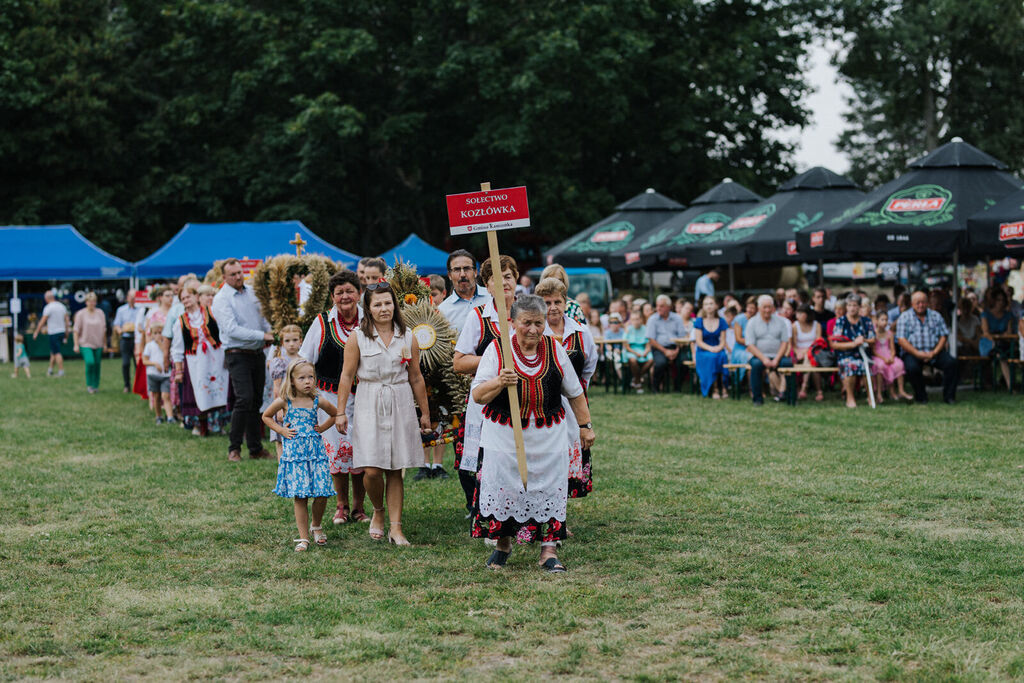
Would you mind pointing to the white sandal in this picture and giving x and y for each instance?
(301, 545)
(319, 537)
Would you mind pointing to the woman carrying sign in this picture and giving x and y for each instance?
(479, 330)
(541, 375)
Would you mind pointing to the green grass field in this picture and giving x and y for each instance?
(721, 541)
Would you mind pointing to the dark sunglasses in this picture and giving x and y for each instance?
(373, 287)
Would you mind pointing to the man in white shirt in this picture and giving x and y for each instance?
(55, 317)
(466, 294)
(243, 334)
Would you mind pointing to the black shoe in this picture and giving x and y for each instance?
(758, 403)
(439, 473)
(424, 473)
(469, 513)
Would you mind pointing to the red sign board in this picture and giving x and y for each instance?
(791, 248)
(142, 298)
(1011, 231)
(748, 221)
(490, 210)
(926, 204)
(818, 238)
(632, 257)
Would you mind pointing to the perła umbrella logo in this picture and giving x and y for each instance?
(917, 205)
(745, 224)
(607, 238)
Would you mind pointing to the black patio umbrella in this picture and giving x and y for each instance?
(921, 214)
(766, 232)
(999, 230)
(707, 213)
(593, 246)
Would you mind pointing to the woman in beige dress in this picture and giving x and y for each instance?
(385, 438)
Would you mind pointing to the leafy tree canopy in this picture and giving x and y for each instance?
(129, 118)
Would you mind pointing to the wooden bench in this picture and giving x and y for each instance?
(790, 375)
(734, 378)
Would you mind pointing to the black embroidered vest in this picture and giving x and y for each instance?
(489, 332)
(573, 345)
(332, 356)
(540, 395)
(209, 327)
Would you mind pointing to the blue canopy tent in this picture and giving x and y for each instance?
(198, 245)
(427, 259)
(54, 252)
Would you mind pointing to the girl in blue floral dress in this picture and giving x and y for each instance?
(303, 471)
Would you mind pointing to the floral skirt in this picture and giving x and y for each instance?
(524, 532)
(581, 483)
(460, 441)
(304, 479)
(851, 366)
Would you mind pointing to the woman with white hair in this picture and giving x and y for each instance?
(582, 352)
(572, 307)
(851, 332)
(542, 374)
(90, 340)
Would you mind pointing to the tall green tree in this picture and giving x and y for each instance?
(130, 117)
(924, 71)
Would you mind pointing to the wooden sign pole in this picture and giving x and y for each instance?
(506, 343)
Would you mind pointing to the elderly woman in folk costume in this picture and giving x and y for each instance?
(579, 345)
(324, 347)
(542, 375)
(479, 330)
(198, 360)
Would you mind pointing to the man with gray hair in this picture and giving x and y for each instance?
(768, 337)
(663, 329)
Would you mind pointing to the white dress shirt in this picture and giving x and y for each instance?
(239, 318)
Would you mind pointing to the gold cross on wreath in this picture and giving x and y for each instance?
(299, 244)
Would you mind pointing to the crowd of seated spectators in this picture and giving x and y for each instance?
(888, 340)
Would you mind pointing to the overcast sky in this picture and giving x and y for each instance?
(827, 104)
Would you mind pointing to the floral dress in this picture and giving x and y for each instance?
(849, 361)
(302, 471)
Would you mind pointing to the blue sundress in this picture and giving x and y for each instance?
(303, 471)
(711, 366)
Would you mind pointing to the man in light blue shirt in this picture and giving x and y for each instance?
(466, 294)
(705, 286)
(663, 329)
(243, 334)
(124, 328)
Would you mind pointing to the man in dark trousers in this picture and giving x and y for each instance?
(243, 333)
(922, 334)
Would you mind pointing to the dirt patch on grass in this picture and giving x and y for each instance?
(942, 530)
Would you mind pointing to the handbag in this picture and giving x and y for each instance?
(821, 355)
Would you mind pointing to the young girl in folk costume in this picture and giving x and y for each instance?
(198, 361)
(542, 375)
(385, 437)
(582, 352)
(285, 355)
(886, 366)
(302, 472)
(479, 330)
(324, 347)
(433, 466)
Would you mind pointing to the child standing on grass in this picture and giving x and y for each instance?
(158, 379)
(20, 356)
(277, 366)
(302, 471)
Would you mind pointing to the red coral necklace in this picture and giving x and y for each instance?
(529, 363)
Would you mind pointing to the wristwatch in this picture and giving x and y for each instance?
(589, 425)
